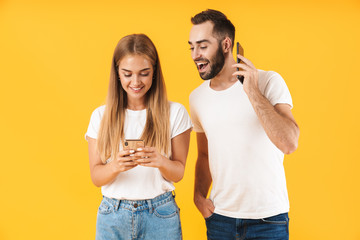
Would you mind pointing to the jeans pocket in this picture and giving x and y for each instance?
(209, 217)
(167, 210)
(105, 207)
(280, 219)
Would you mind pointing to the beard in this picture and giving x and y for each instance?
(216, 64)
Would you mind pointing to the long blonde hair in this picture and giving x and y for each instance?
(157, 128)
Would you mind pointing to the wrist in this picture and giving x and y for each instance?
(114, 170)
(162, 162)
(199, 199)
(253, 91)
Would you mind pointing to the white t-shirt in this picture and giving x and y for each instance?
(246, 167)
(140, 182)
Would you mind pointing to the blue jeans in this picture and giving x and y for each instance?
(225, 228)
(156, 218)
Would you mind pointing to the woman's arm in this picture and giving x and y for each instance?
(171, 169)
(102, 174)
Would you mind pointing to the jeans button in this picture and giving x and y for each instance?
(135, 205)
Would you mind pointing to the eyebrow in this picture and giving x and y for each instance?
(130, 71)
(200, 41)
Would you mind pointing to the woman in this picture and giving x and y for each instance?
(137, 183)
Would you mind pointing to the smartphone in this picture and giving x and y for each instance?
(133, 144)
(239, 50)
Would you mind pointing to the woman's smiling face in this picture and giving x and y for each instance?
(136, 73)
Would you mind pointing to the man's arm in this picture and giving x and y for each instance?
(202, 178)
(277, 121)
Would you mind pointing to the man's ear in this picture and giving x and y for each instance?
(227, 45)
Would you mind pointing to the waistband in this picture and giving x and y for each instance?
(139, 205)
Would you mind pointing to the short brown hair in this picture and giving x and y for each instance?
(222, 25)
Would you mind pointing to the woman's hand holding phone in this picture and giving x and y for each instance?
(149, 157)
(124, 161)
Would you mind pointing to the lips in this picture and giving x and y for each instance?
(136, 89)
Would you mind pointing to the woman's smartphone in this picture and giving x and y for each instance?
(133, 144)
(239, 50)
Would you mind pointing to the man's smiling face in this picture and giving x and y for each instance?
(206, 50)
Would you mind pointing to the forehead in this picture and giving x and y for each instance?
(201, 32)
(135, 62)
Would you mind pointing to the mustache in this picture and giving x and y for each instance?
(201, 60)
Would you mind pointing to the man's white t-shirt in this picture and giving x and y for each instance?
(248, 178)
(140, 182)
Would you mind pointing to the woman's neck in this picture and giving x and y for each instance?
(136, 105)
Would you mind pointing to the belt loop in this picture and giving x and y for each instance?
(117, 204)
(150, 206)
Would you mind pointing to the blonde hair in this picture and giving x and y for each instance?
(157, 128)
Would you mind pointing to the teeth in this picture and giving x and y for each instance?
(136, 89)
(201, 65)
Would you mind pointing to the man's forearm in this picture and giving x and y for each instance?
(202, 180)
(281, 130)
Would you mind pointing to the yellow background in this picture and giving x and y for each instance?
(54, 68)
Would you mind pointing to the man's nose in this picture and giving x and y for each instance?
(195, 54)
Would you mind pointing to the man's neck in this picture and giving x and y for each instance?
(224, 79)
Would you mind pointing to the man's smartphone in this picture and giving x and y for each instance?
(239, 50)
(133, 144)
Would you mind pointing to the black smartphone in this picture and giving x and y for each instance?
(239, 50)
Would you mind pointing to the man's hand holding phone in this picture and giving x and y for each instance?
(239, 51)
(247, 70)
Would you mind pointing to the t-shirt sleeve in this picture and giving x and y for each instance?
(194, 117)
(179, 120)
(276, 90)
(94, 124)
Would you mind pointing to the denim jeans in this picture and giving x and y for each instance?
(156, 218)
(225, 228)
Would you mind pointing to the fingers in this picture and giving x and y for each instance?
(146, 149)
(129, 164)
(124, 153)
(145, 156)
(242, 66)
(146, 160)
(211, 206)
(122, 164)
(246, 61)
(241, 73)
(208, 209)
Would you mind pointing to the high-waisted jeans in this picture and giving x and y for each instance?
(156, 218)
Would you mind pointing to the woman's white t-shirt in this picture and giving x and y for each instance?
(140, 182)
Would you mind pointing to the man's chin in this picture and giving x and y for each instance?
(204, 76)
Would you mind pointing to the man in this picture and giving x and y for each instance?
(243, 132)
